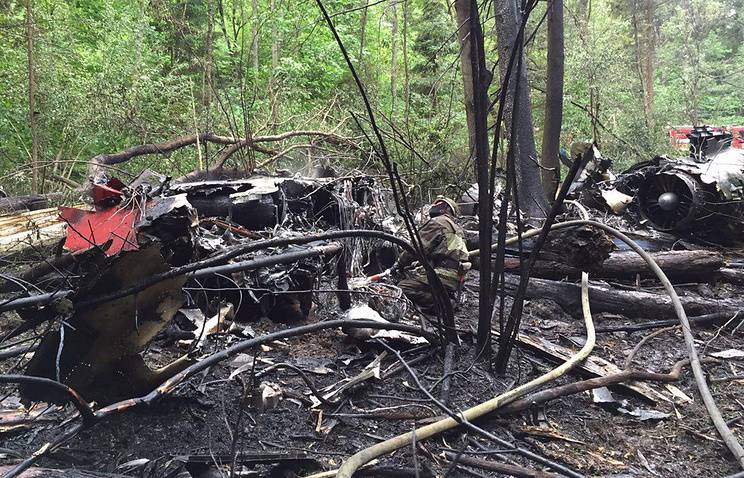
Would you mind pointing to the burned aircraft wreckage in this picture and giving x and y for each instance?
(119, 260)
(699, 195)
(151, 227)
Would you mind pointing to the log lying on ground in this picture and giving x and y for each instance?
(678, 265)
(628, 303)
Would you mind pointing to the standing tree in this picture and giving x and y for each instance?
(273, 95)
(509, 33)
(462, 8)
(393, 55)
(644, 36)
(553, 100)
(31, 97)
(254, 34)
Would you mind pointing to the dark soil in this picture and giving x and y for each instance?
(210, 415)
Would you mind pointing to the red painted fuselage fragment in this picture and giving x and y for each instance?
(86, 229)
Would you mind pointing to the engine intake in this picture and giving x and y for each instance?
(671, 201)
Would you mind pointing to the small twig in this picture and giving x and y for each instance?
(301, 374)
(645, 339)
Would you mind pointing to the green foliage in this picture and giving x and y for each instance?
(115, 73)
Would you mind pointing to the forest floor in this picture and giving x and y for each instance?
(210, 416)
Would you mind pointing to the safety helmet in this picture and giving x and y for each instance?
(449, 202)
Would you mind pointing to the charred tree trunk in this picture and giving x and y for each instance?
(462, 8)
(480, 79)
(553, 100)
(679, 266)
(532, 198)
(32, 97)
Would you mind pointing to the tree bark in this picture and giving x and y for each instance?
(531, 195)
(462, 9)
(31, 97)
(553, 100)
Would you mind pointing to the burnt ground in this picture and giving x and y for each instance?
(211, 414)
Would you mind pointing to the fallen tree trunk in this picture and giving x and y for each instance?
(628, 303)
(677, 265)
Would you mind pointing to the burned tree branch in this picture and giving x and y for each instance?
(490, 465)
(707, 319)
(85, 411)
(607, 381)
(233, 144)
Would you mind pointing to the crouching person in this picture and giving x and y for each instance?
(443, 243)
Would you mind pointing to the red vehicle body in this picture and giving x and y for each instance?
(678, 135)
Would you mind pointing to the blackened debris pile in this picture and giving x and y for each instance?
(123, 286)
